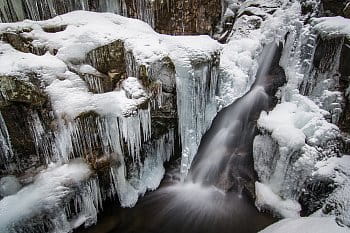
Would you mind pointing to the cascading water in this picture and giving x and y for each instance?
(211, 198)
(224, 158)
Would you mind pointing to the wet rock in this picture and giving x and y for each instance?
(334, 7)
(187, 17)
(346, 10)
(17, 41)
(15, 90)
(54, 28)
(164, 71)
(316, 191)
(27, 155)
(110, 61)
(9, 185)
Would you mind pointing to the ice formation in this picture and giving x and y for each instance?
(338, 203)
(240, 56)
(197, 76)
(297, 134)
(267, 199)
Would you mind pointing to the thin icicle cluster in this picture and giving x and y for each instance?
(86, 204)
(150, 173)
(15, 10)
(5, 143)
(95, 84)
(80, 137)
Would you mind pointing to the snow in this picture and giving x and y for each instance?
(333, 26)
(47, 191)
(70, 97)
(267, 199)
(306, 225)
(281, 122)
(133, 88)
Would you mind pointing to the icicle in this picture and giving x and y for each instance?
(196, 107)
(5, 142)
(131, 65)
(41, 138)
(156, 154)
(91, 202)
(127, 194)
(151, 172)
(94, 83)
(135, 130)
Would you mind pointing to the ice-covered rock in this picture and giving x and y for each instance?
(266, 199)
(296, 135)
(110, 85)
(337, 202)
(332, 26)
(240, 56)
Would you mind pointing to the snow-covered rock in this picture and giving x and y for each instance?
(333, 26)
(50, 189)
(266, 199)
(105, 91)
(297, 136)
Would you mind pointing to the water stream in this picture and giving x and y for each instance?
(218, 193)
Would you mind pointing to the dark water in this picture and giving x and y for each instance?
(217, 196)
(185, 208)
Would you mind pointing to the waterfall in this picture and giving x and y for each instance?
(226, 146)
(215, 195)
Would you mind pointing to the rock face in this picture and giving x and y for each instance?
(169, 17)
(187, 17)
(334, 7)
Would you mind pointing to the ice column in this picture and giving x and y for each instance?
(196, 87)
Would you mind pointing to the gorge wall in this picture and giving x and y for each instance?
(169, 17)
